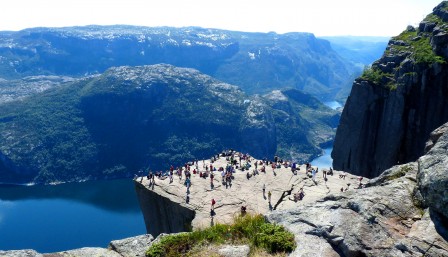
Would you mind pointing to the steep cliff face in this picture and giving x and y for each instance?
(396, 103)
(162, 215)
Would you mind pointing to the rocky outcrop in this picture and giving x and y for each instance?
(434, 136)
(132, 246)
(432, 178)
(379, 220)
(128, 247)
(170, 207)
(395, 105)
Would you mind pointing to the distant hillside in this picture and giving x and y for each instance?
(257, 62)
(361, 51)
(130, 118)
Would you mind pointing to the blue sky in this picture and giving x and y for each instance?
(321, 17)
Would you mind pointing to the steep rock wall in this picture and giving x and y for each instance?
(396, 103)
(162, 215)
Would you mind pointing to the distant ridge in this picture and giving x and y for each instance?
(257, 62)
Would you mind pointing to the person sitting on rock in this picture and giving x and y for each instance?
(243, 210)
(301, 194)
(330, 172)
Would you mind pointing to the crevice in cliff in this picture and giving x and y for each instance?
(282, 197)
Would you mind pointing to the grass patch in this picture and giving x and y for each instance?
(400, 173)
(373, 75)
(252, 230)
(433, 18)
(418, 44)
(378, 77)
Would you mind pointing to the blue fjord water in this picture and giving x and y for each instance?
(75, 215)
(68, 216)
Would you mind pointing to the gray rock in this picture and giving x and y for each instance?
(379, 220)
(387, 121)
(133, 246)
(85, 252)
(426, 26)
(432, 176)
(434, 136)
(234, 251)
(381, 127)
(166, 210)
(20, 253)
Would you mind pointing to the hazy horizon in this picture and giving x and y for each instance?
(322, 18)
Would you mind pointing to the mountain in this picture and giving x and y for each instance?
(256, 62)
(130, 118)
(396, 103)
(360, 51)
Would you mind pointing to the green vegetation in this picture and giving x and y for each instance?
(377, 77)
(423, 52)
(418, 44)
(252, 230)
(433, 18)
(373, 75)
(399, 173)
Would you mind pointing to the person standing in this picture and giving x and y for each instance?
(213, 204)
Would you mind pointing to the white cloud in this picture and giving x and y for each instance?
(322, 17)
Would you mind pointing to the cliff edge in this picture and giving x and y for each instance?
(396, 103)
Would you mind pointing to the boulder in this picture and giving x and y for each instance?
(434, 136)
(432, 178)
(132, 246)
(234, 251)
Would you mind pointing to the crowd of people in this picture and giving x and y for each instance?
(237, 162)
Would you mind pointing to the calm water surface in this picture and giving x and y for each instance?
(333, 104)
(324, 161)
(68, 216)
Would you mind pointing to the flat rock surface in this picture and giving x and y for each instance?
(282, 183)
